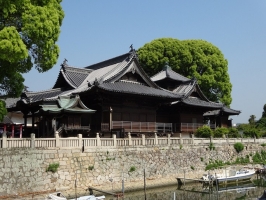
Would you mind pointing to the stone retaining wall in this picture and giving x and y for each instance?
(23, 170)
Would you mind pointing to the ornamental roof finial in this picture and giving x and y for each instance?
(64, 62)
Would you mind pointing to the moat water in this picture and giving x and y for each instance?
(249, 190)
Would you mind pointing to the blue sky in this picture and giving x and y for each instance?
(94, 31)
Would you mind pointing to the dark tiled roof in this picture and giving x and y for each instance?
(212, 113)
(185, 87)
(198, 102)
(218, 112)
(167, 72)
(7, 120)
(108, 62)
(231, 111)
(134, 88)
(73, 76)
(37, 96)
(11, 102)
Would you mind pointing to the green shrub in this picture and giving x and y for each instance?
(90, 167)
(132, 169)
(192, 167)
(252, 132)
(220, 132)
(204, 132)
(52, 167)
(257, 158)
(238, 147)
(215, 165)
(241, 160)
(233, 133)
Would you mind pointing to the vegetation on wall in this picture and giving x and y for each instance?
(52, 167)
(238, 147)
(132, 169)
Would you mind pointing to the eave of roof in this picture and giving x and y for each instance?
(201, 103)
(167, 72)
(138, 89)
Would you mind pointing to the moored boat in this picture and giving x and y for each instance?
(60, 196)
(230, 175)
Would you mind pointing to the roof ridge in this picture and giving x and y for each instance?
(114, 59)
(70, 68)
(43, 91)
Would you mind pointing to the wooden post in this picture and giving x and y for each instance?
(20, 131)
(111, 119)
(98, 139)
(32, 122)
(144, 183)
(54, 124)
(115, 142)
(32, 141)
(13, 130)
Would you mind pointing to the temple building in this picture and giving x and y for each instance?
(117, 96)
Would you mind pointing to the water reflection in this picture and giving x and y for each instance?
(249, 190)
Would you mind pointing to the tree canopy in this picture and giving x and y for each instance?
(193, 59)
(29, 30)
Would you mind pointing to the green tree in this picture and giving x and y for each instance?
(204, 132)
(29, 30)
(264, 111)
(220, 132)
(252, 120)
(190, 58)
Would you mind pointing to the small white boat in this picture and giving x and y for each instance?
(60, 196)
(230, 175)
(90, 197)
(56, 196)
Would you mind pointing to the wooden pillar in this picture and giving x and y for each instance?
(13, 130)
(4, 129)
(25, 124)
(54, 124)
(111, 119)
(32, 122)
(20, 131)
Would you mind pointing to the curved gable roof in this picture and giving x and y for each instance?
(168, 73)
(74, 77)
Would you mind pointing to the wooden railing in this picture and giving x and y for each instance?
(143, 127)
(192, 127)
(79, 142)
(136, 127)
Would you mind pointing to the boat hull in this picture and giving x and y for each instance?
(236, 178)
